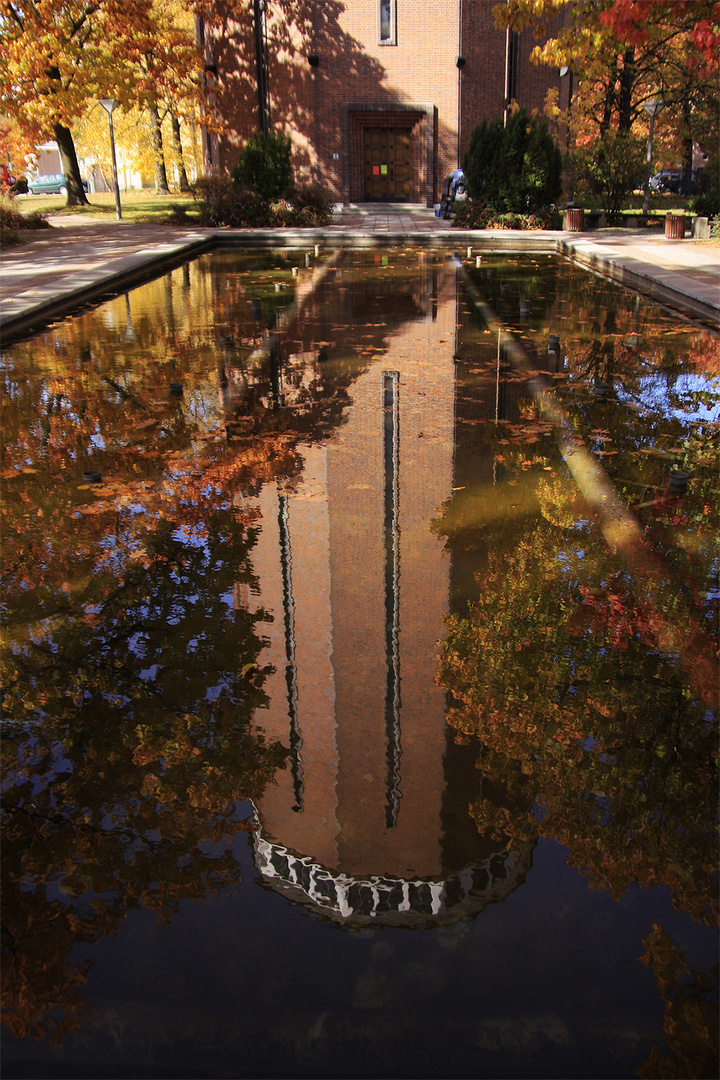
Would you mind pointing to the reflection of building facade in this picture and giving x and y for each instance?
(379, 97)
(358, 588)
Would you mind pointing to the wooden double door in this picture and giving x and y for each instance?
(386, 160)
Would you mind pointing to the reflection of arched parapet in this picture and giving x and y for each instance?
(390, 901)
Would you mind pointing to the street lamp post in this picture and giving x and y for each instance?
(109, 105)
(652, 108)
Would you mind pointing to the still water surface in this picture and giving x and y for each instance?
(338, 738)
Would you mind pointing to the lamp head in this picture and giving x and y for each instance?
(654, 106)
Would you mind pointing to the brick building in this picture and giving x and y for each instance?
(379, 97)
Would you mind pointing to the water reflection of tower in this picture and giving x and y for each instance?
(358, 587)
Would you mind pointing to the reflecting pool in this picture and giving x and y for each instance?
(344, 732)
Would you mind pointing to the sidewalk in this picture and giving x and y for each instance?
(78, 261)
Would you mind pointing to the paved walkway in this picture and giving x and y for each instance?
(78, 260)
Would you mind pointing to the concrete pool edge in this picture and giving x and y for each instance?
(62, 297)
(682, 291)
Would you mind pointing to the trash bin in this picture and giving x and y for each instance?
(674, 226)
(575, 220)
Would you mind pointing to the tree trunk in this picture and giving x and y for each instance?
(75, 194)
(686, 184)
(686, 132)
(156, 139)
(175, 124)
(628, 77)
(609, 101)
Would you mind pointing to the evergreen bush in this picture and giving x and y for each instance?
(264, 166)
(514, 169)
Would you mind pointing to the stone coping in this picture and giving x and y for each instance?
(632, 263)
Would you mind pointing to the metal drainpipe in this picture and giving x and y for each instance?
(459, 87)
(260, 63)
(507, 76)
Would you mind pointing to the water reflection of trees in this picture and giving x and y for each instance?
(126, 749)
(558, 672)
(662, 375)
(691, 1016)
(130, 668)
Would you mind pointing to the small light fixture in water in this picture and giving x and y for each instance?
(554, 343)
(601, 391)
(678, 481)
(92, 476)
(524, 309)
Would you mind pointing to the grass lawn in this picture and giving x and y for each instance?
(136, 205)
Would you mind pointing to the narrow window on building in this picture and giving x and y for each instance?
(387, 22)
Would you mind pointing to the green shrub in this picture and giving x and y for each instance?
(264, 166)
(513, 169)
(609, 167)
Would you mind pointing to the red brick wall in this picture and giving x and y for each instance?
(414, 83)
(483, 77)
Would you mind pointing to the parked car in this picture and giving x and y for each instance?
(667, 181)
(453, 191)
(54, 184)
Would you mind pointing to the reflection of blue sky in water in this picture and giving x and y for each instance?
(654, 394)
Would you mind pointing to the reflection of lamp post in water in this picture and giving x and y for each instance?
(652, 108)
(109, 105)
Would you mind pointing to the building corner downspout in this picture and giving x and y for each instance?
(459, 86)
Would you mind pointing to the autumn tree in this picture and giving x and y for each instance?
(58, 55)
(683, 38)
(168, 79)
(624, 52)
